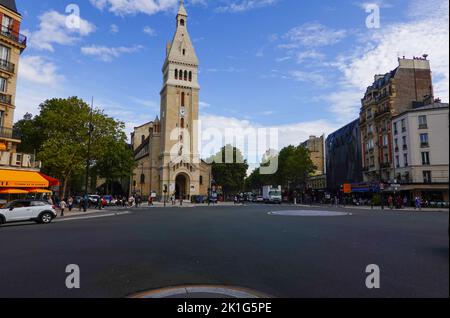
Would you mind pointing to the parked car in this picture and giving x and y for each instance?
(109, 199)
(28, 210)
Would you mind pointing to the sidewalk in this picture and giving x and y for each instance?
(375, 208)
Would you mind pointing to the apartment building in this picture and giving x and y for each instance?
(389, 95)
(421, 151)
(12, 44)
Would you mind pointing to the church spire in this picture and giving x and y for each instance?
(182, 15)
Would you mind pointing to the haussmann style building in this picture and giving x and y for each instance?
(19, 173)
(389, 95)
(166, 149)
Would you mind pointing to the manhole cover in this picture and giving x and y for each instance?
(201, 292)
(308, 213)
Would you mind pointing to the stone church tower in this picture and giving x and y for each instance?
(177, 162)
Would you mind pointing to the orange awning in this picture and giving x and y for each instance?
(39, 191)
(13, 191)
(52, 181)
(22, 179)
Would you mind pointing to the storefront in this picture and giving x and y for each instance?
(15, 184)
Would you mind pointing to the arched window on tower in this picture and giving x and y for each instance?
(182, 123)
(181, 22)
(184, 51)
(176, 74)
(190, 76)
(185, 75)
(182, 99)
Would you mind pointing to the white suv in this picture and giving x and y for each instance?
(28, 210)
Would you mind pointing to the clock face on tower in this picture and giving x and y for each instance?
(182, 111)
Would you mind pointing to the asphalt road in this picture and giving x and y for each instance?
(282, 256)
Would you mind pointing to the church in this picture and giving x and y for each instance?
(166, 149)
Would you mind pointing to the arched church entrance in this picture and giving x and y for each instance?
(182, 186)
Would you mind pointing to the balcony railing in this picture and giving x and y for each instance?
(7, 66)
(423, 126)
(8, 133)
(5, 99)
(13, 35)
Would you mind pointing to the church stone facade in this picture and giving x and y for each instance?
(166, 149)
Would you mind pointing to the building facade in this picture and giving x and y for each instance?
(316, 148)
(12, 44)
(421, 151)
(343, 157)
(166, 150)
(389, 95)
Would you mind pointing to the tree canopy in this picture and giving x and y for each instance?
(59, 136)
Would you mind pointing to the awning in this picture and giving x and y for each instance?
(22, 179)
(52, 181)
(39, 191)
(13, 191)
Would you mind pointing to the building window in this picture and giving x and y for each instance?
(397, 161)
(4, 53)
(386, 158)
(3, 84)
(385, 140)
(182, 22)
(423, 122)
(426, 158)
(182, 123)
(395, 129)
(176, 74)
(190, 76)
(369, 114)
(184, 51)
(424, 140)
(6, 23)
(405, 159)
(142, 178)
(405, 146)
(185, 75)
(182, 99)
(426, 176)
(403, 125)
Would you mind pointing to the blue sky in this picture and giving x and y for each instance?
(301, 66)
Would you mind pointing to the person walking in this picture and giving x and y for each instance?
(391, 202)
(418, 203)
(62, 206)
(70, 203)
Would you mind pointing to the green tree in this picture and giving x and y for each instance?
(229, 169)
(63, 127)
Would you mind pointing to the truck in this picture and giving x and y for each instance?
(272, 194)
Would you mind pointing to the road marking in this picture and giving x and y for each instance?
(308, 213)
(185, 291)
(93, 216)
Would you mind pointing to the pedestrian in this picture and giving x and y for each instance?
(390, 201)
(150, 200)
(418, 203)
(70, 203)
(173, 199)
(405, 201)
(62, 206)
(181, 200)
(399, 202)
(235, 199)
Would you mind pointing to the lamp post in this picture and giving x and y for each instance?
(88, 159)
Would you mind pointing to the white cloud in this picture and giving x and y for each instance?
(426, 32)
(53, 29)
(107, 54)
(113, 28)
(148, 30)
(312, 34)
(37, 69)
(132, 7)
(245, 5)
(288, 134)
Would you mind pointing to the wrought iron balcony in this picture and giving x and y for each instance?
(8, 133)
(5, 99)
(7, 66)
(13, 35)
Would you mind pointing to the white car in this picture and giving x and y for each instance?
(28, 210)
